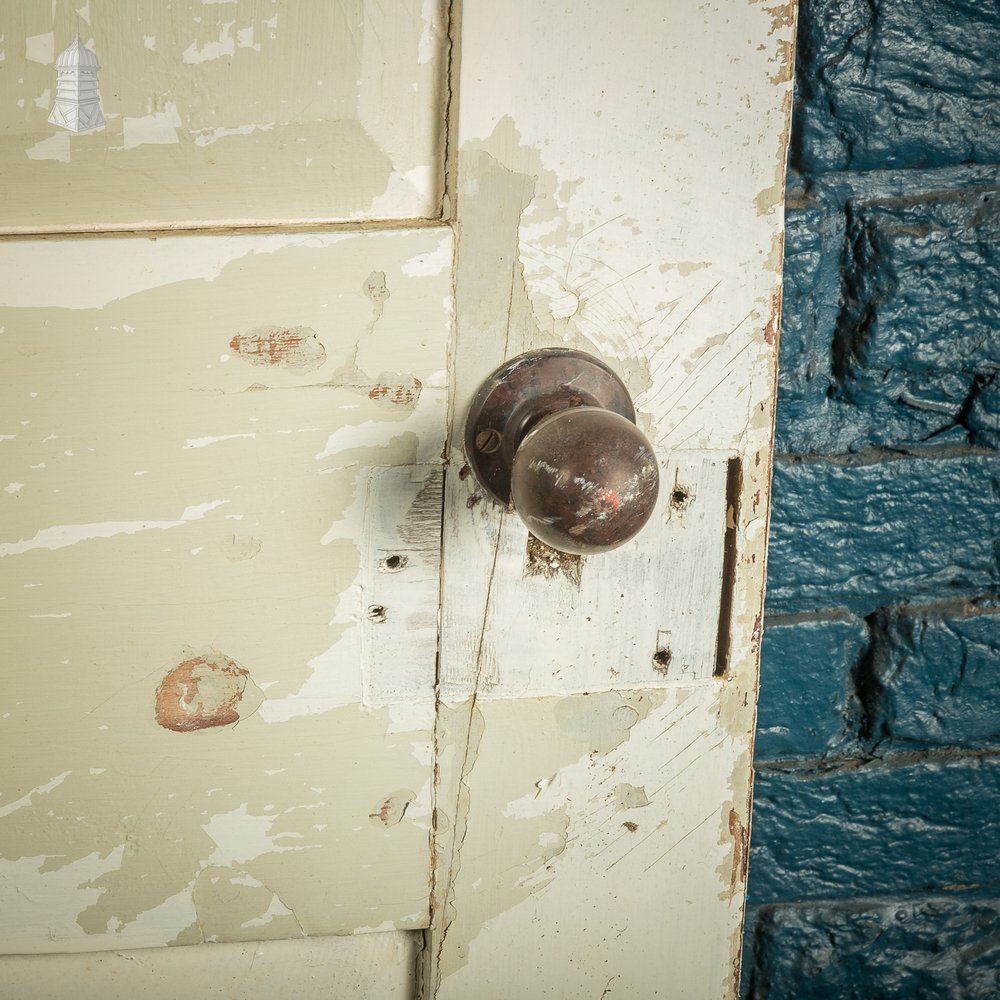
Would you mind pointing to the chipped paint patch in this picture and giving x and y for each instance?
(437, 261)
(263, 592)
(204, 692)
(628, 796)
(54, 147)
(392, 808)
(224, 46)
(543, 560)
(41, 48)
(240, 836)
(404, 394)
(741, 854)
(206, 136)
(156, 129)
(296, 349)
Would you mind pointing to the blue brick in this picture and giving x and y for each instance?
(806, 706)
(891, 309)
(867, 535)
(887, 84)
(941, 680)
(912, 949)
(875, 830)
(814, 241)
(922, 306)
(983, 419)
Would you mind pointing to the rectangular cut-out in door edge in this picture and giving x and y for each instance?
(400, 588)
(646, 615)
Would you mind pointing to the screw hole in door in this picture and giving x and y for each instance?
(661, 661)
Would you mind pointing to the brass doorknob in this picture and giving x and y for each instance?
(554, 433)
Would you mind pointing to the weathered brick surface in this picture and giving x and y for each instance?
(875, 830)
(883, 83)
(907, 949)
(864, 536)
(892, 312)
(810, 664)
(940, 680)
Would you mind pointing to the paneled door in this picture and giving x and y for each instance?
(280, 681)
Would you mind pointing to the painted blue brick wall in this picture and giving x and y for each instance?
(896, 83)
(933, 948)
(875, 853)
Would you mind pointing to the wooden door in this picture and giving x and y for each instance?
(548, 793)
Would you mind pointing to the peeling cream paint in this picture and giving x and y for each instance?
(400, 189)
(41, 48)
(436, 262)
(59, 536)
(55, 147)
(275, 909)
(225, 46)
(431, 35)
(204, 442)
(205, 137)
(239, 837)
(156, 129)
(26, 800)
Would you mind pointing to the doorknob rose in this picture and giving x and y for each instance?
(554, 433)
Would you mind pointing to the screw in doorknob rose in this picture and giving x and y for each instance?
(553, 431)
(584, 480)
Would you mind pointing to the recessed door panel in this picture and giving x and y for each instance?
(210, 456)
(118, 115)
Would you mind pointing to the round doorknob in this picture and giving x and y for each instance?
(554, 433)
